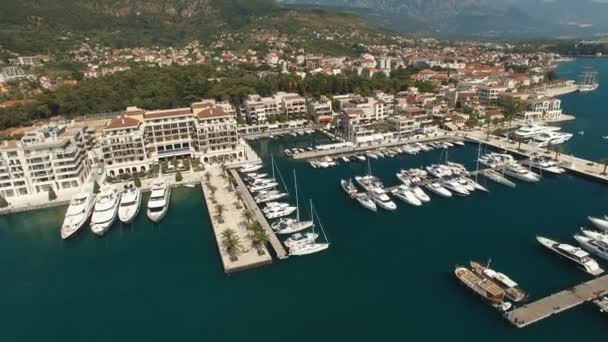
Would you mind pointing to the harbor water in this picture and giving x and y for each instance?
(386, 275)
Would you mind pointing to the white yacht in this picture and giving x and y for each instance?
(454, 186)
(299, 238)
(575, 254)
(438, 189)
(262, 186)
(366, 202)
(403, 193)
(310, 245)
(519, 172)
(360, 157)
(80, 209)
(381, 198)
(158, 204)
(349, 187)
(498, 178)
(544, 164)
(372, 155)
(532, 129)
(267, 196)
(420, 194)
(368, 182)
(439, 170)
(601, 223)
(130, 202)
(595, 235)
(345, 159)
(597, 247)
(281, 212)
(290, 225)
(106, 210)
(549, 138)
(250, 168)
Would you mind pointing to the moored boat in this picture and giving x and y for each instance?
(130, 202)
(487, 289)
(106, 210)
(577, 255)
(349, 187)
(406, 195)
(600, 223)
(366, 202)
(158, 204)
(438, 189)
(511, 288)
(79, 211)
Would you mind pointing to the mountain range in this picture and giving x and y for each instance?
(466, 18)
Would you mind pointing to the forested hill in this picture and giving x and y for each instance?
(29, 26)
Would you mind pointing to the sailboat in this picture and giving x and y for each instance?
(311, 245)
(264, 196)
(290, 225)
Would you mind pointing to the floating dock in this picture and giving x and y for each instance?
(259, 216)
(558, 302)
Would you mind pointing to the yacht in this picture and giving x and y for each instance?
(575, 254)
(290, 225)
(262, 186)
(310, 245)
(366, 202)
(454, 186)
(511, 288)
(80, 209)
(106, 210)
(464, 182)
(403, 193)
(158, 204)
(601, 223)
(549, 138)
(494, 160)
(345, 159)
(544, 164)
(597, 247)
(254, 176)
(439, 170)
(349, 188)
(360, 157)
(130, 201)
(519, 172)
(595, 235)
(458, 142)
(280, 212)
(372, 155)
(368, 182)
(474, 184)
(299, 238)
(267, 196)
(438, 189)
(589, 82)
(532, 129)
(498, 178)
(487, 289)
(250, 168)
(381, 198)
(420, 194)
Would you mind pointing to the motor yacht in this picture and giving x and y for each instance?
(79, 211)
(454, 186)
(519, 172)
(498, 178)
(601, 223)
(368, 182)
(595, 235)
(549, 138)
(106, 210)
(532, 129)
(420, 194)
(577, 255)
(406, 195)
(158, 204)
(366, 202)
(250, 168)
(381, 198)
(130, 202)
(438, 189)
(267, 196)
(439, 170)
(597, 247)
(544, 164)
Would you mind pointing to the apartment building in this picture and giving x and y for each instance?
(52, 156)
(137, 138)
(353, 125)
(490, 94)
(260, 110)
(403, 126)
(320, 109)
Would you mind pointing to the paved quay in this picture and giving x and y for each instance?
(250, 204)
(231, 218)
(558, 302)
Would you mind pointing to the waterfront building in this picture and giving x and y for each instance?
(403, 126)
(353, 125)
(490, 94)
(260, 109)
(542, 108)
(320, 108)
(123, 146)
(49, 157)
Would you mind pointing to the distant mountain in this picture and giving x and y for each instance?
(513, 18)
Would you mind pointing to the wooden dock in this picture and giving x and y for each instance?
(255, 209)
(558, 302)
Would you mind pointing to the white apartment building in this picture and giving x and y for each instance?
(260, 109)
(320, 108)
(137, 139)
(543, 108)
(490, 94)
(353, 125)
(403, 125)
(53, 156)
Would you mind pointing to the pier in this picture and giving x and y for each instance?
(253, 207)
(558, 302)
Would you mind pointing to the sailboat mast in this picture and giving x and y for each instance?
(478, 156)
(297, 202)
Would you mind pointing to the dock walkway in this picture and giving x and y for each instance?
(253, 207)
(558, 302)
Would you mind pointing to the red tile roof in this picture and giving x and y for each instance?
(211, 112)
(122, 122)
(167, 113)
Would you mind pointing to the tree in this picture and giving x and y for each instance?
(52, 194)
(96, 187)
(231, 243)
(178, 177)
(220, 211)
(3, 202)
(551, 76)
(247, 216)
(258, 237)
(136, 181)
(605, 162)
(511, 107)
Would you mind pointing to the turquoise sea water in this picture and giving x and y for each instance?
(386, 276)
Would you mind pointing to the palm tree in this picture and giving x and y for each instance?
(258, 237)
(232, 243)
(247, 216)
(605, 162)
(220, 211)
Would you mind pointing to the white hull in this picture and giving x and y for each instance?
(307, 248)
(595, 235)
(420, 194)
(366, 202)
(527, 176)
(600, 223)
(498, 178)
(101, 228)
(73, 223)
(106, 211)
(590, 266)
(456, 188)
(295, 227)
(437, 189)
(407, 196)
(157, 215)
(585, 242)
(128, 214)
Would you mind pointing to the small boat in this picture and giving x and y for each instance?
(314, 164)
(366, 202)
(190, 185)
(581, 132)
(447, 144)
(511, 288)
(349, 187)
(130, 202)
(487, 289)
(380, 154)
(458, 142)
(574, 254)
(290, 225)
(106, 210)
(298, 238)
(600, 223)
(360, 157)
(287, 152)
(254, 175)
(403, 193)
(79, 211)
(345, 159)
(250, 168)
(158, 204)
(602, 304)
(438, 189)
(372, 155)
(309, 149)
(293, 134)
(268, 196)
(262, 186)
